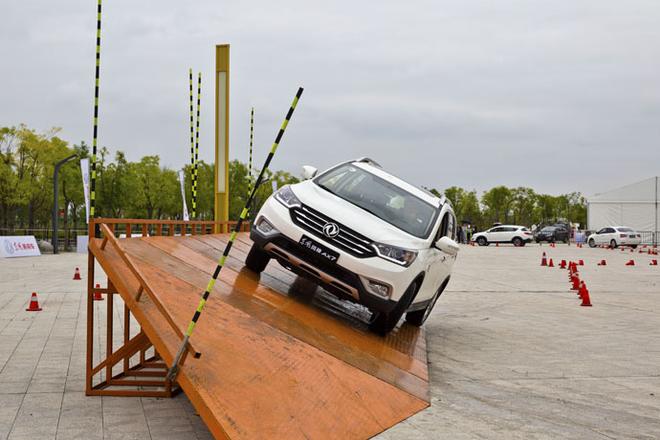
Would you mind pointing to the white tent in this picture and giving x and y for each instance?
(634, 205)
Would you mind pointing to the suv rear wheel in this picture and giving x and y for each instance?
(385, 322)
(517, 242)
(257, 259)
(418, 317)
(613, 243)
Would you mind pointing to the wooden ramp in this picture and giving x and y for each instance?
(277, 361)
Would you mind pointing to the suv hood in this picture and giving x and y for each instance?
(355, 217)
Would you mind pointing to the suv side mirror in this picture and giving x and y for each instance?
(447, 245)
(308, 172)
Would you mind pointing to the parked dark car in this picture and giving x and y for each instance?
(552, 234)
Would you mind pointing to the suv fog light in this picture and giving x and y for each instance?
(380, 289)
(264, 226)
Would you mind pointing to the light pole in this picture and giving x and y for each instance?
(55, 198)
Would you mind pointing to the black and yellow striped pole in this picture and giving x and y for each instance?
(192, 143)
(249, 175)
(172, 372)
(97, 74)
(194, 182)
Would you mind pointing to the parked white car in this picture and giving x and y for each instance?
(517, 235)
(614, 236)
(364, 235)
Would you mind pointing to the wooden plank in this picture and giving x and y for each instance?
(329, 379)
(389, 359)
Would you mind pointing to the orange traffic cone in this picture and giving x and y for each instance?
(581, 262)
(97, 295)
(630, 263)
(576, 282)
(602, 263)
(562, 265)
(497, 245)
(653, 263)
(550, 263)
(544, 260)
(34, 304)
(76, 274)
(584, 294)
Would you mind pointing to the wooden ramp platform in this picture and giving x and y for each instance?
(277, 361)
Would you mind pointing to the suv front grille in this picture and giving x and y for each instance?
(347, 240)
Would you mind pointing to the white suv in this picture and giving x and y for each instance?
(518, 235)
(614, 236)
(364, 235)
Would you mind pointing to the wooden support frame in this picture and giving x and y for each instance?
(142, 372)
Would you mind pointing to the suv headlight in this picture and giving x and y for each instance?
(400, 256)
(286, 197)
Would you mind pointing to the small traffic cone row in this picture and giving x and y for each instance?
(544, 260)
(550, 263)
(34, 304)
(97, 295)
(76, 274)
(653, 262)
(630, 263)
(584, 295)
(602, 263)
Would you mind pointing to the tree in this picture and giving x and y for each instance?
(497, 203)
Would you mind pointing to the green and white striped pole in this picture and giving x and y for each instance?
(174, 369)
(195, 177)
(92, 192)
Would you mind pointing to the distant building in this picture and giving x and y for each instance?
(634, 205)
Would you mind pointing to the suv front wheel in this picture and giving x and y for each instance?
(257, 259)
(418, 317)
(384, 323)
(481, 241)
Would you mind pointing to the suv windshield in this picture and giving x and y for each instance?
(379, 197)
(548, 229)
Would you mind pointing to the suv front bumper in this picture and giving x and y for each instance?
(334, 278)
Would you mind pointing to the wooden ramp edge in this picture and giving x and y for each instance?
(273, 364)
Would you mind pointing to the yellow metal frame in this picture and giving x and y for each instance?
(221, 212)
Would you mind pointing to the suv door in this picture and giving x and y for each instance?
(508, 233)
(494, 235)
(439, 265)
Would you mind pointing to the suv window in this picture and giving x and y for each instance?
(447, 227)
(510, 229)
(380, 198)
(498, 229)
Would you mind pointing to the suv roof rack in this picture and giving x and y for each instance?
(369, 161)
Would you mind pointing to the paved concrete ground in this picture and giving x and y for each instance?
(511, 352)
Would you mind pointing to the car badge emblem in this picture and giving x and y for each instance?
(330, 230)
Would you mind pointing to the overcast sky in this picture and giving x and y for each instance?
(559, 96)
